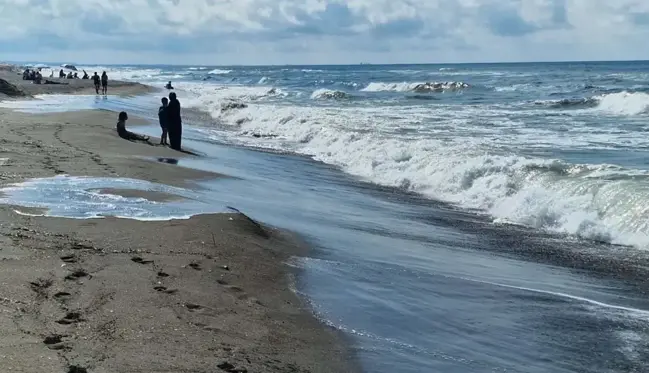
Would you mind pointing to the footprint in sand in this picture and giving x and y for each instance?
(53, 339)
(71, 318)
(77, 274)
(234, 288)
(62, 295)
(69, 259)
(193, 307)
(137, 259)
(77, 369)
(163, 289)
(55, 342)
(40, 285)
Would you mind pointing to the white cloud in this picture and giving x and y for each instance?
(322, 31)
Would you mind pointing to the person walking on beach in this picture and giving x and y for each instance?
(174, 122)
(95, 79)
(164, 119)
(104, 83)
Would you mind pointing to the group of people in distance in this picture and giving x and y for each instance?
(170, 123)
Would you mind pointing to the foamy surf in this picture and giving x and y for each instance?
(462, 154)
(553, 195)
(624, 103)
(327, 94)
(80, 198)
(219, 72)
(419, 87)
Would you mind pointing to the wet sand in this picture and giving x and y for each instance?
(76, 86)
(206, 294)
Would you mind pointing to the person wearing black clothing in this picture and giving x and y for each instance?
(124, 133)
(174, 122)
(95, 79)
(104, 83)
(163, 118)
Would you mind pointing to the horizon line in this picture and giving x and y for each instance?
(333, 64)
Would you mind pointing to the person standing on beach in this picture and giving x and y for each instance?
(164, 119)
(174, 122)
(95, 79)
(104, 83)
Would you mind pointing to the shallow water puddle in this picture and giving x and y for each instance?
(93, 197)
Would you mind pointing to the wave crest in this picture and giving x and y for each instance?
(619, 103)
(425, 87)
(327, 94)
(219, 72)
(624, 103)
(600, 202)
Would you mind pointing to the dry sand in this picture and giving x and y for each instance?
(207, 294)
(77, 86)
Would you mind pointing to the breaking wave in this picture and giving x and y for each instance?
(219, 72)
(600, 202)
(619, 103)
(415, 87)
(327, 94)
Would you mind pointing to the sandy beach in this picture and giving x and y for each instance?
(206, 294)
(13, 76)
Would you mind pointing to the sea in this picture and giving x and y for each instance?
(462, 217)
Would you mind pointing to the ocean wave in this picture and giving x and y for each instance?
(424, 87)
(618, 103)
(599, 202)
(219, 72)
(571, 103)
(327, 94)
(145, 75)
(422, 97)
(211, 97)
(624, 103)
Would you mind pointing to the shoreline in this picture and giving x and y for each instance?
(86, 294)
(25, 89)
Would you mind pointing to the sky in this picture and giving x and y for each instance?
(250, 32)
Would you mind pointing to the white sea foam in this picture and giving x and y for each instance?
(77, 197)
(219, 72)
(624, 103)
(413, 86)
(129, 74)
(443, 153)
(328, 94)
(452, 153)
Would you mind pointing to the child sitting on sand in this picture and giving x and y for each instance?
(123, 133)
